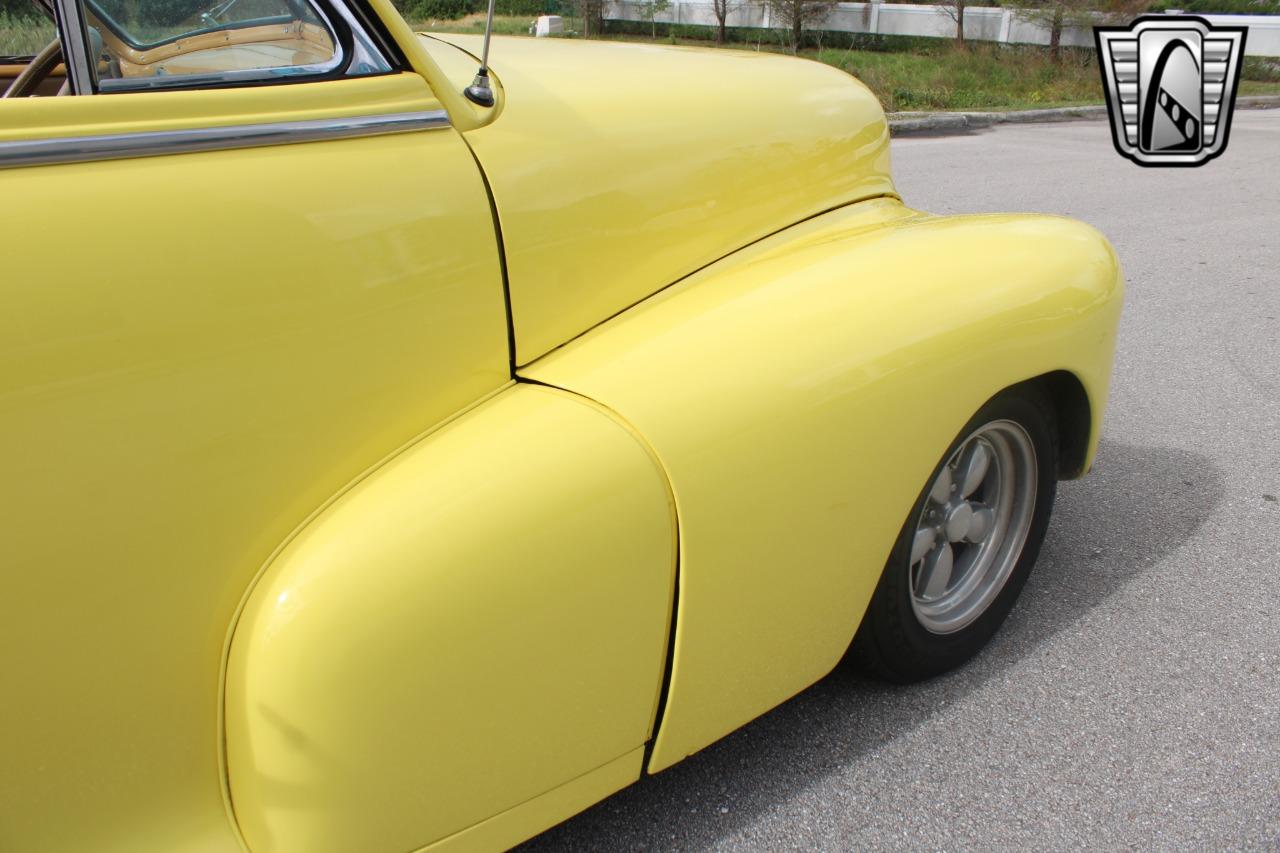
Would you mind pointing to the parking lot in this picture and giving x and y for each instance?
(1133, 697)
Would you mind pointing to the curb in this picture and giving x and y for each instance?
(944, 123)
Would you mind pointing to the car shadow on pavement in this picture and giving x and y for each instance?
(1139, 505)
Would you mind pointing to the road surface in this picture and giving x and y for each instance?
(1133, 697)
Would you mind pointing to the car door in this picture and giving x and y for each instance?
(231, 283)
(291, 562)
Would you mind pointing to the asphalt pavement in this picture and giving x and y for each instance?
(1132, 700)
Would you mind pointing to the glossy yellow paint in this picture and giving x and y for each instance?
(481, 621)
(457, 70)
(197, 352)
(464, 114)
(505, 830)
(44, 118)
(822, 373)
(260, 434)
(609, 188)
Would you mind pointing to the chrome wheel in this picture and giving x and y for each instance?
(973, 526)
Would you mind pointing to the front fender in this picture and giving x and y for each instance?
(798, 394)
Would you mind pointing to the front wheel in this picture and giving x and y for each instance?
(968, 544)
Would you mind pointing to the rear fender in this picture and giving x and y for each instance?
(474, 633)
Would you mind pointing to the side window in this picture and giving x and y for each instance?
(27, 29)
(147, 44)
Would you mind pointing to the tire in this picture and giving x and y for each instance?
(929, 616)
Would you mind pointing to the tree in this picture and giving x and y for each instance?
(650, 10)
(796, 15)
(955, 11)
(722, 9)
(592, 12)
(1057, 16)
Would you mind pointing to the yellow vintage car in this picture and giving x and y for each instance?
(403, 457)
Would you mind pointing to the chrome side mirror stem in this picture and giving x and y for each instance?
(480, 92)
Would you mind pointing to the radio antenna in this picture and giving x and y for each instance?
(480, 92)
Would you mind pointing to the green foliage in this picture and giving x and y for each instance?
(650, 9)
(982, 77)
(448, 10)
(436, 10)
(147, 16)
(797, 17)
(752, 37)
(453, 10)
(1220, 7)
(531, 8)
(18, 9)
(24, 35)
(1263, 69)
(503, 25)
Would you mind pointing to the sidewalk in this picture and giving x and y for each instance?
(908, 124)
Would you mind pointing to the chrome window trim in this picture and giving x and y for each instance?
(119, 146)
(365, 56)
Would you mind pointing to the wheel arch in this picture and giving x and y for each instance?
(425, 628)
(872, 327)
(1073, 413)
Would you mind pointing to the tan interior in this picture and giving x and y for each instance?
(272, 46)
(296, 43)
(49, 86)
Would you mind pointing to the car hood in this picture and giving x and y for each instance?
(616, 169)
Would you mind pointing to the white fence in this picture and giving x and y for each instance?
(981, 23)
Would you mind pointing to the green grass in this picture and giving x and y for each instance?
(983, 77)
(503, 25)
(23, 36)
(1259, 87)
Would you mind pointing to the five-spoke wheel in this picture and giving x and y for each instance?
(968, 544)
(972, 527)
